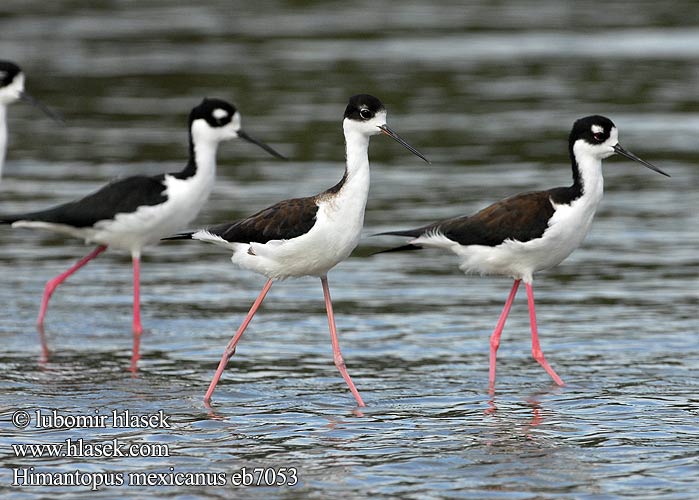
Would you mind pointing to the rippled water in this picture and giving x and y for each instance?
(488, 92)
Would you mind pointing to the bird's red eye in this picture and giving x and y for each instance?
(599, 136)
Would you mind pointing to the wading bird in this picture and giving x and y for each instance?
(307, 236)
(133, 212)
(530, 232)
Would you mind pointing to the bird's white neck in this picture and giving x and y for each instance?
(194, 184)
(589, 169)
(189, 189)
(205, 158)
(3, 135)
(202, 159)
(357, 156)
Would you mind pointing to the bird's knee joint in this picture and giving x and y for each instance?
(339, 362)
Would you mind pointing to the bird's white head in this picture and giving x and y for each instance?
(597, 137)
(366, 115)
(11, 82)
(215, 120)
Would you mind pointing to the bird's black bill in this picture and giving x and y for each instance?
(261, 144)
(40, 105)
(399, 140)
(633, 157)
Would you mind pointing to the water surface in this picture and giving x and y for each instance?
(489, 93)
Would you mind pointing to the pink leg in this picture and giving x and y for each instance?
(135, 353)
(495, 337)
(230, 348)
(137, 328)
(53, 283)
(536, 348)
(136, 323)
(337, 355)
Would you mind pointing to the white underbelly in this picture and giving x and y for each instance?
(330, 241)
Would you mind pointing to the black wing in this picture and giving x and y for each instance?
(282, 221)
(121, 196)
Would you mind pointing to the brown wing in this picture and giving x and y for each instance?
(285, 220)
(522, 217)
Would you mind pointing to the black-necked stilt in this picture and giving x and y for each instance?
(131, 213)
(307, 236)
(533, 231)
(12, 90)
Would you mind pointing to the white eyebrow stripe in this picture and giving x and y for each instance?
(597, 129)
(219, 113)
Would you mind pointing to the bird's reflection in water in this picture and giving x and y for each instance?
(533, 402)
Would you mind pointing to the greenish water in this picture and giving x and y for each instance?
(488, 91)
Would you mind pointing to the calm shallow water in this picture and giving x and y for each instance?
(489, 94)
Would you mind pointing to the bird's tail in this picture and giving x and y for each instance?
(187, 235)
(399, 249)
(11, 218)
(409, 233)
